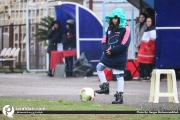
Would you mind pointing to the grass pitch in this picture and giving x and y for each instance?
(76, 106)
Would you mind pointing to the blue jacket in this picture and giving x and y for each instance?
(119, 48)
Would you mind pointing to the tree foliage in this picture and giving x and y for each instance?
(43, 28)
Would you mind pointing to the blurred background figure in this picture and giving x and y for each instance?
(146, 52)
(150, 13)
(139, 30)
(69, 43)
(54, 36)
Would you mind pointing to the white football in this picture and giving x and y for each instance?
(87, 94)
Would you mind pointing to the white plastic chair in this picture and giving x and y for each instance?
(14, 56)
(3, 52)
(16, 53)
(171, 86)
(7, 52)
(12, 52)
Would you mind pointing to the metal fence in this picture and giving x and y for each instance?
(15, 36)
(37, 56)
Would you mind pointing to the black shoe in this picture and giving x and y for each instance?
(69, 74)
(146, 79)
(50, 75)
(104, 89)
(137, 79)
(119, 98)
(142, 78)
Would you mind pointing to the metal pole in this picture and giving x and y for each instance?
(11, 35)
(27, 35)
(2, 37)
(103, 17)
(77, 32)
(47, 54)
(91, 4)
(37, 51)
(132, 30)
(20, 36)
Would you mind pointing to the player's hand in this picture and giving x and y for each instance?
(147, 47)
(52, 27)
(137, 46)
(108, 52)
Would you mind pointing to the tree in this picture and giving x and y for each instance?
(43, 28)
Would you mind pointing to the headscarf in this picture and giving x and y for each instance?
(152, 27)
(119, 12)
(142, 23)
(56, 22)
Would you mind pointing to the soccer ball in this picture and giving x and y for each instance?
(87, 94)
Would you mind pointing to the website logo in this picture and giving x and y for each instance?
(8, 111)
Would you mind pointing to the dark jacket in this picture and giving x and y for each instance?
(119, 48)
(69, 40)
(54, 37)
